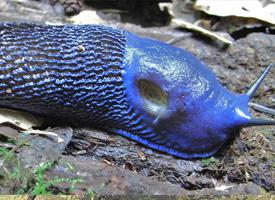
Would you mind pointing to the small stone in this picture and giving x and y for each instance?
(9, 91)
(81, 48)
(141, 155)
(72, 7)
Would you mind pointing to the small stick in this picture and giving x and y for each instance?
(193, 27)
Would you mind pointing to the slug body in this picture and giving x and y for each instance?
(146, 90)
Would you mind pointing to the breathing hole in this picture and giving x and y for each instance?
(155, 99)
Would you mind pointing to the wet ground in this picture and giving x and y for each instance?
(110, 164)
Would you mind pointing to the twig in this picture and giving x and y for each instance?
(46, 133)
(193, 27)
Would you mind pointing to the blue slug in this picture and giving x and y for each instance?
(146, 90)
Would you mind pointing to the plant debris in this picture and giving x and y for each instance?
(19, 119)
(240, 8)
(203, 31)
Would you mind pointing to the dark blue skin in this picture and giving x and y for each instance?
(200, 114)
(151, 92)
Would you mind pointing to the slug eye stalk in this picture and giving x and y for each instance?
(250, 93)
(252, 90)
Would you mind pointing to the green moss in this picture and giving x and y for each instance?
(209, 161)
(14, 179)
(42, 186)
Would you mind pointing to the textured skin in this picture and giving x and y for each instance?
(67, 73)
(88, 74)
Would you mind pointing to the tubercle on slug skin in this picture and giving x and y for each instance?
(148, 91)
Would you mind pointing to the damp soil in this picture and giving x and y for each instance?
(110, 164)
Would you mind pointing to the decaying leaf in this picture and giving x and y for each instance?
(19, 119)
(48, 133)
(179, 21)
(204, 31)
(239, 8)
(86, 17)
(180, 9)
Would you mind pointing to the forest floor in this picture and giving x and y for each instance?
(94, 162)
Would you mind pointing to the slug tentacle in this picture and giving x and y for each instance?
(258, 82)
(260, 122)
(262, 108)
(251, 92)
(146, 90)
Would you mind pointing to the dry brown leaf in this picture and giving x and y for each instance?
(48, 133)
(86, 17)
(182, 22)
(203, 31)
(239, 8)
(180, 9)
(19, 119)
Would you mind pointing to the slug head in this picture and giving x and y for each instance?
(183, 107)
